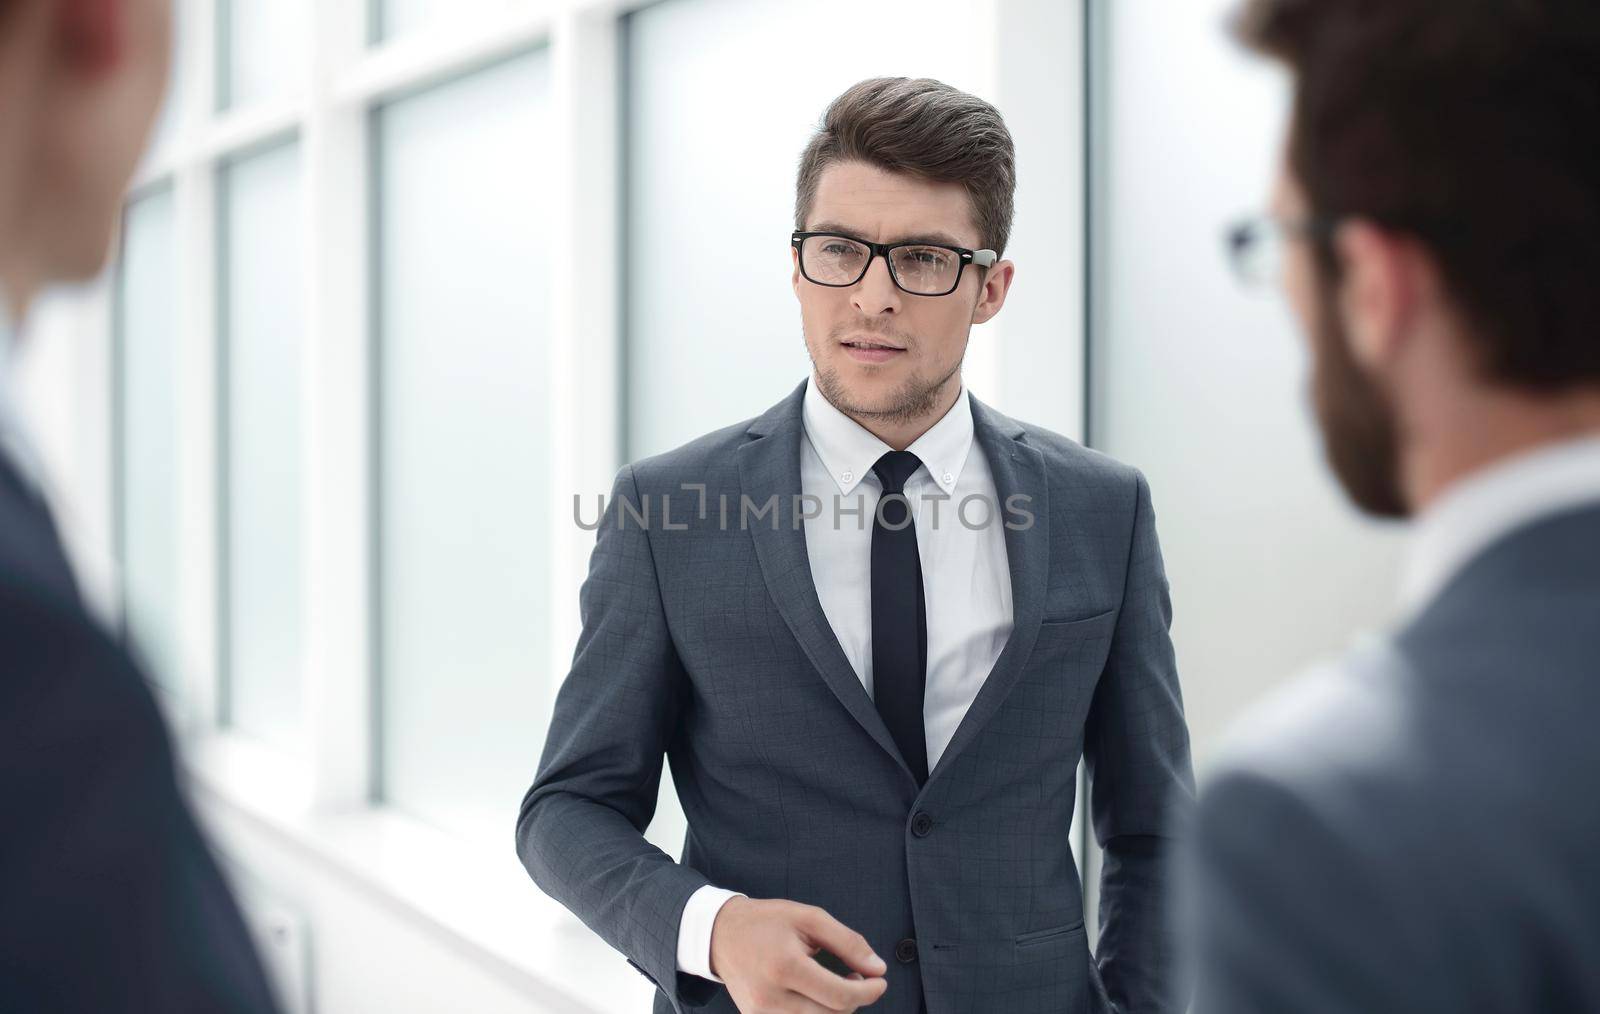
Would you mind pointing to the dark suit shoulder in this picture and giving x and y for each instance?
(708, 458)
(1081, 478)
(1065, 457)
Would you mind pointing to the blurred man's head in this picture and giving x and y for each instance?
(80, 82)
(900, 160)
(1442, 190)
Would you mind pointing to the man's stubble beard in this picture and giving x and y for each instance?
(915, 399)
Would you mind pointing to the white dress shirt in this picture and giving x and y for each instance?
(966, 579)
(14, 442)
(1488, 505)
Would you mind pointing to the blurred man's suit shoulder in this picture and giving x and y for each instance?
(1416, 823)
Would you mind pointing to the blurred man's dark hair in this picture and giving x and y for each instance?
(1475, 125)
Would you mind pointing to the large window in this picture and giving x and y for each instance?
(262, 323)
(148, 294)
(464, 256)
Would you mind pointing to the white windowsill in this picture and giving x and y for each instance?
(475, 899)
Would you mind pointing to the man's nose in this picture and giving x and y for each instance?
(876, 293)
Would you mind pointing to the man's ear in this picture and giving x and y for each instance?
(794, 258)
(992, 296)
(91, 35)
(1382, 277)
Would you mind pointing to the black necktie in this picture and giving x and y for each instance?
(899, 618)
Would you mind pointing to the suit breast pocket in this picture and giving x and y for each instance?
(1069, 640)
(1064, 666)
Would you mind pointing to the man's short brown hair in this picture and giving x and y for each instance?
(1472, 125)
(924, 128)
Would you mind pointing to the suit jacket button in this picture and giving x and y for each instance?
(906, 951)
(921, 825)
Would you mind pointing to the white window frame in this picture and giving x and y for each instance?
(322, 803)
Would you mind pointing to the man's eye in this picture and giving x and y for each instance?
(838, 249)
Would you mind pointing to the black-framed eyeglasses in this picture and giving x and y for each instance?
(1256, 245)
(922, 269)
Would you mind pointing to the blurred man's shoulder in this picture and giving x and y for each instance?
(1340, 740)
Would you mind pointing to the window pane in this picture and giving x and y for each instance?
(711, 213)
(394, 18)
(263, 46)
(147, 300)
(464, 497)
(262, 328)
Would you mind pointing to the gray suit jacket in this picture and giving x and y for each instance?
(708, 645)
(1420, 829)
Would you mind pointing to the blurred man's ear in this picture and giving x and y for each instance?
(1382, 278)
(91, 34)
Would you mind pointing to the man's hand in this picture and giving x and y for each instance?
(763, 951)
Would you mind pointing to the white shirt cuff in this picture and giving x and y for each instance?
(694, 930)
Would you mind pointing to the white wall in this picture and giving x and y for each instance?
(1200, 382)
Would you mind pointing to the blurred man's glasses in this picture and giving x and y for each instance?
(1257, 247)
(922, 269)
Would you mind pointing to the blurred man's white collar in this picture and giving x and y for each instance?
(15, 443)
(1491, 504)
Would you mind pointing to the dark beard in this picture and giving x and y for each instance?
(1359, 435)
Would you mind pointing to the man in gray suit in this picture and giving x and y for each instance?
(1417, 828)
(873, 631)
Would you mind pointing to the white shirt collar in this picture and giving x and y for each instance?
(1492, 503)
(848, 450)
(5, 333)
(16, 445)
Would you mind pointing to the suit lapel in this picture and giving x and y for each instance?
(769, 466)
(1018, 471)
